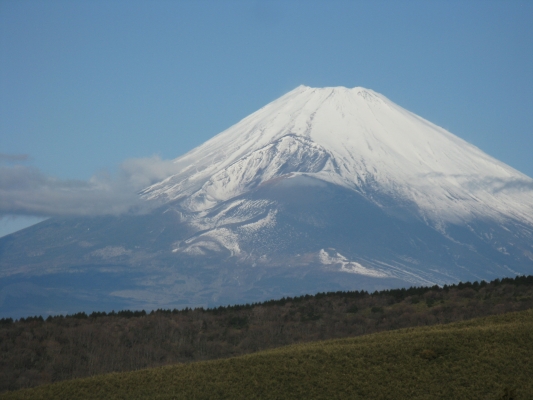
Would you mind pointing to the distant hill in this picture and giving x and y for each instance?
(484, 358)
(36, 351)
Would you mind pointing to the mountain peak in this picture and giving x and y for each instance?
(355, 138)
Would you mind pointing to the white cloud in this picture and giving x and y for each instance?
(25, 190)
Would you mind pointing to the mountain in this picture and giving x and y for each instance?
(320, 190)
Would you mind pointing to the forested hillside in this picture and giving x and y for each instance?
(484, 358)
(36, 351)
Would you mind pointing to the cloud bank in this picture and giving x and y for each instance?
(25, 190)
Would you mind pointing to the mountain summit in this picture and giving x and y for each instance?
(322, 189)
(355, 138)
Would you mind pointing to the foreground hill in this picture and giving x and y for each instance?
(485, 358)
(35, 352)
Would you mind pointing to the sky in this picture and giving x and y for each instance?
(96, 97)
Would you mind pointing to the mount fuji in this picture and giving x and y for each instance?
(322, 189)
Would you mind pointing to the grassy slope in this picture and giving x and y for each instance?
(476, 359)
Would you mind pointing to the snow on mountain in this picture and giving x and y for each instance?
(346, 265)
(355, 138)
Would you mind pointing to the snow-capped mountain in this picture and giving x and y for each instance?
(350, 139)
(357, 139)
(322, 189)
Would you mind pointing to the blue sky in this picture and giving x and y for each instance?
(86, 85)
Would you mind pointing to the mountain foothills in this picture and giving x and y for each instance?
(321, 190)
